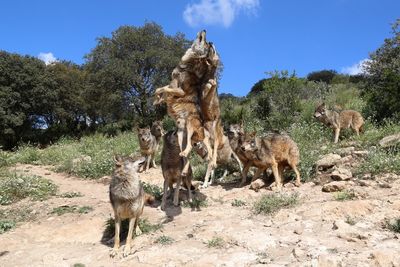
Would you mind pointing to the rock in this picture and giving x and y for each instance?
(334, 186)
(383, 258)
(328, 161)
(323, 179)
(257, 184)
(390, 141)
(361, 153)
(347, 232)
(383, 184)
(346, 159)
(365, 183)
(345, 151)
(298, 253)
(341, 174)
(329, 261)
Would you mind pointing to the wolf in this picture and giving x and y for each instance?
(341, 119)
(225, 155)
(148, 146)
(209, 104)
(172, 165)
(127, 198)
(182, 96)
(236, 136)
(274, 150)
(157, 130)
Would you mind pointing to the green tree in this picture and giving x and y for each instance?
(126, 69)
(23, 96)
(322, 76)
(382, 86)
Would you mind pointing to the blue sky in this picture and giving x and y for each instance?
(252, 36)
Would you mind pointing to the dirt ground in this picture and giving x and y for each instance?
(316, 232)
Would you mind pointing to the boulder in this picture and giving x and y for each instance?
(390, 141)
(386, 257)
(325, 260)
(328, 161)
(341, 174)
(257, 184)
(345, 151)
(334, 186)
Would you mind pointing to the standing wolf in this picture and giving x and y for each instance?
(339, 120)
(172, 165)
(127, 198)
(274, 150)
(148, 147)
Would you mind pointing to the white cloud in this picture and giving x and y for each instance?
(357, 68)
(48, 58)
(211, 12)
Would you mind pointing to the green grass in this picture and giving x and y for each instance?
(14, 187)
(6, 225)
(98, 148)
(344, 195)
(216, 242)
(71, 194)
(195, 204)
(238, 203)
(380, 161)
(153, 190)
(394, 225)
(164, 240)
(78, 265)
(61, 210)
(350, 220)
(271, 203)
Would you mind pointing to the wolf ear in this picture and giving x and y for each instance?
(117, 160)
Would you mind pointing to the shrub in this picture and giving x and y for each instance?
(394, 225)
(238, 203)
(164, 240)
(153, 190)
(216, 242)
(345, 195)
(271, 203)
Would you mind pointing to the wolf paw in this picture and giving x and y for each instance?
(113, 252)
(298, 184)
(184, 154)
(138, 231)
(127, 251)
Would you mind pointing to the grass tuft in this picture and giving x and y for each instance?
(216, 242)
(164, 240)
(271, 203)
(345, 195)
(6, 225)
(238, 203)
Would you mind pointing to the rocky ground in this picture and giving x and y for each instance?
(318, 231)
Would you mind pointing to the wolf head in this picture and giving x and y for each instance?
(200, 149)
(157, 129)
(235, 131)
(249, 142)
(144, 135)
(125, 166)
(320, 111)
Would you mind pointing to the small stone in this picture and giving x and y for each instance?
(334, 186)
(328, 161)
(257, 184)
(329, 261)
(341, 174)
(390, 141)
(298, 253)
(361, 153)
(345, 151)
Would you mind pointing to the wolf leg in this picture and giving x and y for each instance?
(114, 251)
(188, 186)
(238, 161)
(244, 174)
(298, 180)
(127, 248)
(189, 133)
(207, 176)
(257, 174)
(337, 132)
(176, 193)
(275, 171)
(164, 197)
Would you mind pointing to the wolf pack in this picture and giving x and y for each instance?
(192, 102)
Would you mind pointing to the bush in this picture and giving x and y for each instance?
(6, 225)
(164, 240)
(394, 225)
(153, 190)
(216, 242)
(271, 203)
(345, 195)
